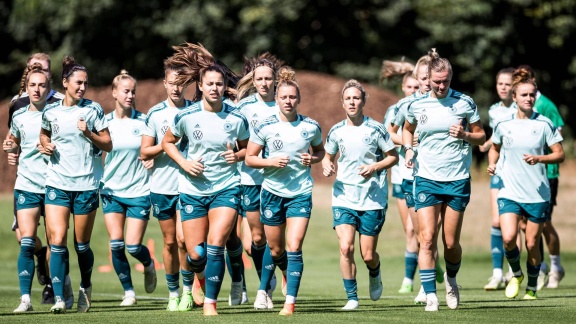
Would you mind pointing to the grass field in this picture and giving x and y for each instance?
(321, 293)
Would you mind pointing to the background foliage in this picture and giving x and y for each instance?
(348, 38)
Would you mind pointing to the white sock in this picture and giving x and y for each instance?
(432, 297)
(174, 294)
(497, 273)
(129, 293)
(186, 288)
(290, 299)
(555, 264)
(407, 281)
(25, 298)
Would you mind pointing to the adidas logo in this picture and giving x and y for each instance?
(295, 273)
(232, 200)
(269, 267)
(143, 213)
(277, 135)
(255, 115)
(197, 126)
(496, 250)
(55, 280)
(303, 210)
(24, 274)
(214, 279)
(122, 276)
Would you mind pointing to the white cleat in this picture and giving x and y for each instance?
(128, 301)
(351, 305)
(84, 299)
(554, 278)
(261, 302)
(432, 305)
(421, 297)
(376, 287)
(452, 293)
(25, 306)
(59, 307)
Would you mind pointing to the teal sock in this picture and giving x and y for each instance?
(85, 262)
(141, 253)
(497, 247)
(58, 269)
(428, 280)
(294, 273)
(268, 267)
(236, 266)
(121, 265)
(26, 264)
(533, 272)
(351, 288)
(173, 281)
(513, 257)
(214, 271)
(187, 277)
(411, 263)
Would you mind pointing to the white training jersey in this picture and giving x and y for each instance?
(522, 182)
(254, 110)
(499, 111)
(395, 175)
(359, 145)
(72, 165)
(290, 139)
(399, 119)
(208, 134)
(440, 156)
(32, 164)
(164, 178)
(124, 173)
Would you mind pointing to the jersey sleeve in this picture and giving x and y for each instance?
(390, 116)
(552, 135)
(409, 114)
(496, 135)
(100, 122)
(473, 115)
(385, 142)
(14, 130)
(331, 146)
(45, 123)
(178, 127)
(317, 139)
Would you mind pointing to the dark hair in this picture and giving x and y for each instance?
(522, 75)
(355, 84)
(28, 71)
(69, 66)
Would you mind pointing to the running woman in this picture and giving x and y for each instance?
(360, 192)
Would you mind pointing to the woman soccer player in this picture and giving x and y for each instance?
(125, 191)
(448, 124)
(71, 129)
(360, 192)
(286, 197)
(520, 140)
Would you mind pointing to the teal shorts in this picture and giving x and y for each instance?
(275, 209)
(408, 190)
(164, 206)
(495, 182)
(397, 191)
(138, 207)
(456, 194)
(366, 222)
(198, 206)
(79, 202)
(27, 200)
(534, 212)
(250, 199)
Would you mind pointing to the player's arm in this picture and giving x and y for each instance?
(149, 149)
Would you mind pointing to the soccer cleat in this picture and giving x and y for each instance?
(48, 295)
(509, 275)
(432, 305)
(84, 299)
(542, 280)
(261, 302)
(235, 297)
(150, 279)
(452, 293)
(421, 297)
(351, 305)
(173, 303)
(25, 306)
(376, 288)
(284, 283)
(210, 309)
(554, 278)
(128, 301)
(198, 291)
(59, 307)
(68, 293)
(244, 298)
(186, 302)
(514, 286)
(288, 310)
(530, 295)
(406, 288)
(439, 273)
(495, 283)
(269, 302)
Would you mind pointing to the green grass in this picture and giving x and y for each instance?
(321, 293)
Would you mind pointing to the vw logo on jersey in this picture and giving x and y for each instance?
(197, 135)
(366, 139)
(507, 141)
(246, 200)
(189, 209)
(423, 119)
(52, 195)
(55, 129)
(337, 214)
(342, 149)
(267, 213)
(304, 133)
(253, 123)
(164, 129)
(136, 131)
(21, 199)
(421, 197)
(277, 144)
(227, 126)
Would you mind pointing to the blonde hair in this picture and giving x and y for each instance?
(438, 64)
(355, 84)
(124, 76)
(522, 75)
(393, 68)
(287, 78)
(245, 86)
